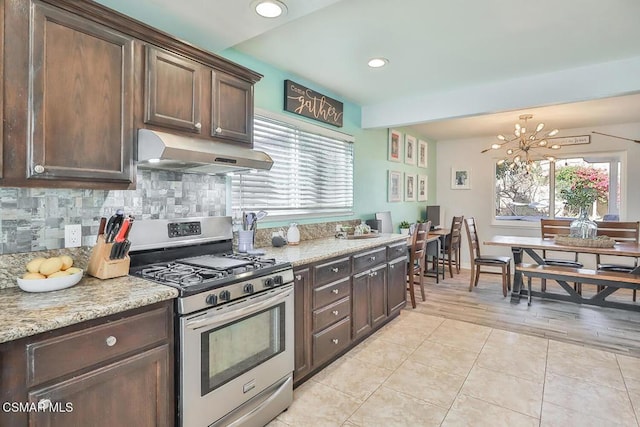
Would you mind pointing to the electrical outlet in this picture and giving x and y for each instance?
(72, 235)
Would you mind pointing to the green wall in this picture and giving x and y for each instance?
(370, 158)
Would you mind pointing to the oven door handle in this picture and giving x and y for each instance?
(236, 312)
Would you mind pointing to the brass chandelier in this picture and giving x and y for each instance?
(526, 146)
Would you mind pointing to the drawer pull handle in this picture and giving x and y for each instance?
(335, 312)
(372, 258)
(111, 341)
(335, 291)
(198, 125)
(392, 266)
(38, 169)
(299, 277)
(44, 404)
(335, 341)
(335, 269)
(218, 129)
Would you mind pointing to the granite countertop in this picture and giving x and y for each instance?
(309, 251)
(23, 314)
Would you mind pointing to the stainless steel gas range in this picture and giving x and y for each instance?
(234, 320)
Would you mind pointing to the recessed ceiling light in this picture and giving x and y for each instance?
(269, 8)
(378, 62)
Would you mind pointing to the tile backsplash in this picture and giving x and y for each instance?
(33, 219)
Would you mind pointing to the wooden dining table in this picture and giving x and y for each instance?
(533, 246)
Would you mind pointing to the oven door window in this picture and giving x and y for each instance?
(237, 347)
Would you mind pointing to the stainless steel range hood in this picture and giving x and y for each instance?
(160, 150)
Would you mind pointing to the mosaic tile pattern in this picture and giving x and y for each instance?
(33, 219)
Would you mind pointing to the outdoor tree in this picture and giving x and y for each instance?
(581, 186)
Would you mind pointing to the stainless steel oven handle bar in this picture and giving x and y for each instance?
(238, 311)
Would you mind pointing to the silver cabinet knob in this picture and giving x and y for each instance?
(218, 129)
(335, 291)
(392, 266)
(38, 168)
(335, 312)
(335, 341)
(372, 258)
(111, 341)
(44, 404)
(335, 269)
(198, 125)
(299, 277)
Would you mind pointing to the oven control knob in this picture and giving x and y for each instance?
(248, 288)
(268, 283)
(212, 299)
(277, 280)
(225, 295)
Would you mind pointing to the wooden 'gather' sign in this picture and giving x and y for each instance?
(309, 103)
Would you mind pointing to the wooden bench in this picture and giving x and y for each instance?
(607, 281)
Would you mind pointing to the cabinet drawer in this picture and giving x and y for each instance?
(397, 250)
(55, 357)
(331, 340)
(331, 271)
(369, 259)
(331, 314)
(331, 292)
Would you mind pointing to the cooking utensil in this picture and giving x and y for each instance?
(113, 225)
(260, 215)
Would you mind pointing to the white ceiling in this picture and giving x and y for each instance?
(433, 47)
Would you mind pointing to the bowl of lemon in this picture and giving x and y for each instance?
(49, 274)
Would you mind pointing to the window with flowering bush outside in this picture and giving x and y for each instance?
(559, 189)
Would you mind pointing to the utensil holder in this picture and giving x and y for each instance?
(101, 266)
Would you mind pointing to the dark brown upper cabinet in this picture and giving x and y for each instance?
(232, 108)
(80, 110)
(173, 88)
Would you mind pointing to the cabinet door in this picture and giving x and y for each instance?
(397, 285)
(232, 108)
(133, 391)
(360, 312)
(81, 99)
(378, 294)
(302, 326)
(172, 95)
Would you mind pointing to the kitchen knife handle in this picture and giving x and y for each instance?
(122, 231)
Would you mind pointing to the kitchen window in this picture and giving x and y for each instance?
(312, 173)
(528, 195)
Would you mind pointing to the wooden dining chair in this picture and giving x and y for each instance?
(417, 260)
(549, 229)
(478, 260)
(620, 231)
(451, 248)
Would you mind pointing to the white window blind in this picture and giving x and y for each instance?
(312, 172)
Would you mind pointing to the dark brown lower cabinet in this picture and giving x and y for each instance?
(369, 300)
(302, 295)
(132, 389)
(396, 290)
(337, 305)
(112, 371)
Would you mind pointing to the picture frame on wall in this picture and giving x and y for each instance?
(422, 188)
(394, 190)
(422, 153)
(410, 147)
(409, 187)
(395, 146)
(460, 179)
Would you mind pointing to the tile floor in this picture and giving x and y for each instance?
(422, 370)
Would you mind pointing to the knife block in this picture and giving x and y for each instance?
(101, 266)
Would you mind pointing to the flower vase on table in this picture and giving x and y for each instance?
(583, 227)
